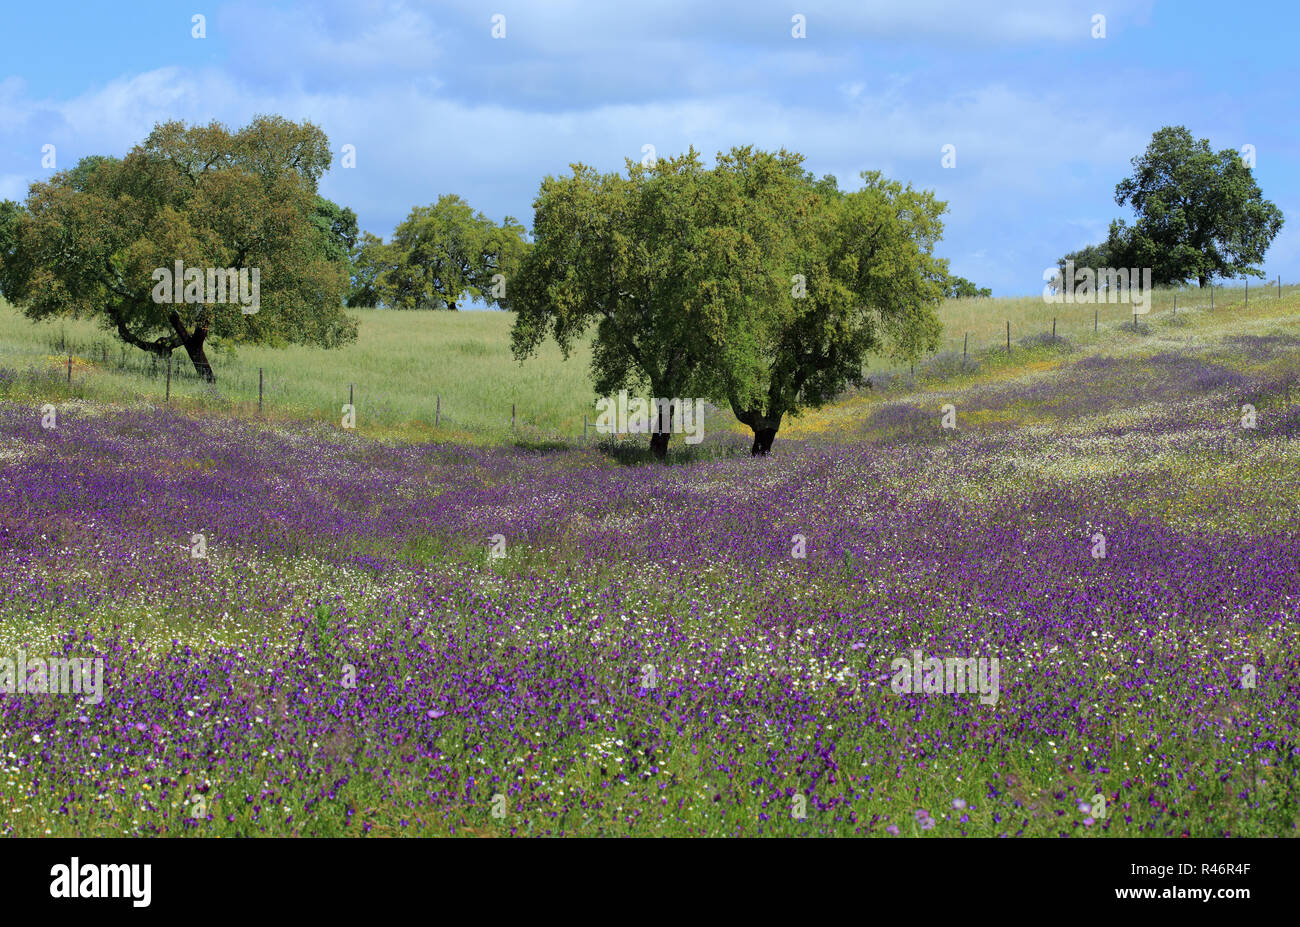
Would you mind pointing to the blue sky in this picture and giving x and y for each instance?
(1043, 116)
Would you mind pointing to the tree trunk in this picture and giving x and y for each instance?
(1202, 280)
(763, 438)
(194, 348)
(661, 429)
(763, 425)
(192, 342)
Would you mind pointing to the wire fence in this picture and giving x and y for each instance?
(72, 361)
(1083, 319)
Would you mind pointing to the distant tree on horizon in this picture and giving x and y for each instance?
(439, 255)
(1200, 215)
(961, 288)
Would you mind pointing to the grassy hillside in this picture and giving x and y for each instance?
(404, 361)
(399, 366)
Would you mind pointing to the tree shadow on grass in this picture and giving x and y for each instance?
(541, 445)
(628, 454)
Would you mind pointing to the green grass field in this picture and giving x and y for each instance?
(404, 363)
(399, 366)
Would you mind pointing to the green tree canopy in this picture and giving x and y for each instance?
(1093, 256)
(1200, 214)
(438, 256)
(91, 241)
(370, 259)
(12, 276)
(631, 255)
(961, 288)
(752, 283)
(873, 285)
(337, 228)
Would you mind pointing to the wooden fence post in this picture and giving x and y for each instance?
(69, 367)
(437, 412)
(965, 341)
(169, 378)
(259, 390)
(1008, 336)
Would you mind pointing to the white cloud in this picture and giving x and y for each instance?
(433, 109)
(413, 145)
(571, 25)
(333, 45)
(112, 118)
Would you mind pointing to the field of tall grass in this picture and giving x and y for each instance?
(402, 365)
(409, 368)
